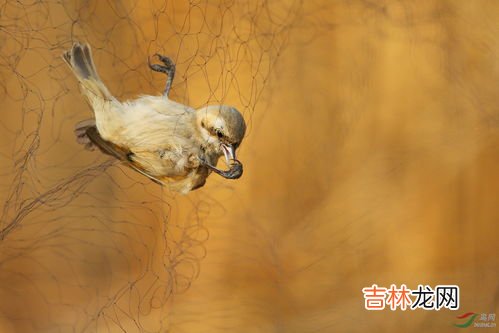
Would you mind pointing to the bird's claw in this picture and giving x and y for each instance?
(235, 171)
(168, 65)
(168, 68)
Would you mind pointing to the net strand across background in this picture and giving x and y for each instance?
(370, 158)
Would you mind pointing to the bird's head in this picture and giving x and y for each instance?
(222, 128)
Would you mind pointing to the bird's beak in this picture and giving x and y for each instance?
(229, 153)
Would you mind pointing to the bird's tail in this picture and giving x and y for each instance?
(79, 59)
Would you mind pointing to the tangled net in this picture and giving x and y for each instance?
(86, 245)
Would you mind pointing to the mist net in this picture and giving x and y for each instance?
(88, 245)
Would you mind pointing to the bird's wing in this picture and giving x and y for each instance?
(106, 147)
(159, 104)
(117, 152)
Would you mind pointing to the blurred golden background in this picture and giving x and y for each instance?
(371, 157)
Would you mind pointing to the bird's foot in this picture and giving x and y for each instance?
(168, 68)
(235, 171)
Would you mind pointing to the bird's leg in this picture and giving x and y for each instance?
(168, 68)
(235, 171)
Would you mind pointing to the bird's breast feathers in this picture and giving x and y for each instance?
(161, 135)
(152, 122)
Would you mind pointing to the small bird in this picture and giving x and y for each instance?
(170, 143)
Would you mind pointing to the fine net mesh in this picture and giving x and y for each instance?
(87, 245)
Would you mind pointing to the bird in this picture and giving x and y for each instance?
(170, 143)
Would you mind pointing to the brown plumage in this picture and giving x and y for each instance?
(170, 143)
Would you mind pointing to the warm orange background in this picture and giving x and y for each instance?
(371, 157)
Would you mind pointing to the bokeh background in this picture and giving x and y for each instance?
(371, 157)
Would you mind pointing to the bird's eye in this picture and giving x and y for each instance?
(219, 133)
